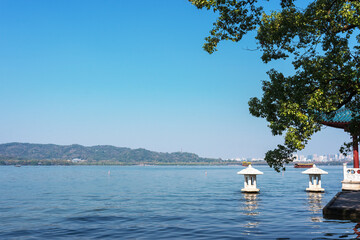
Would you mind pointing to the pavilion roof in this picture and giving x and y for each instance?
(342, 115)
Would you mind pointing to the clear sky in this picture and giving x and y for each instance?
(132, 74)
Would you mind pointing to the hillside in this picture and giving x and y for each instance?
(25, 152)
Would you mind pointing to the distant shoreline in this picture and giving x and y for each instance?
(69, 163)
(78, 155)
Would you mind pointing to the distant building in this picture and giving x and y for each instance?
(77, 160)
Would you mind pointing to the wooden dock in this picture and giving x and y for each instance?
(344, 206)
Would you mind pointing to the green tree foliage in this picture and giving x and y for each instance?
(322, 42)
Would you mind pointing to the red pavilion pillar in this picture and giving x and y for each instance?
(356, 151)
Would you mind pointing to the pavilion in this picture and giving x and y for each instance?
(341, 119)
(345, 204)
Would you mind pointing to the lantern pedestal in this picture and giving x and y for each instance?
(315, 184)
(250, 179)
(250, 184)
(314, 179)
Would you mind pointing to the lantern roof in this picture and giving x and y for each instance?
(314, 170)
(250, 171)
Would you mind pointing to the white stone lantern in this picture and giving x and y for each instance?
(314, 179)
(250, 179)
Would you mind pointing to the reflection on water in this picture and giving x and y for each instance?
(315, 205)
(250, 209)
(315, 202)
(251, 204)
(316, 219)
(251, 224)
(356, 231)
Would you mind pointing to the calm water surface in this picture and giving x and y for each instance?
(89, 202)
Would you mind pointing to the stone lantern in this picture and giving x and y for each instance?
(314, 179)
(250, 179)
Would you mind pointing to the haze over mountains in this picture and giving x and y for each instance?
(93, 154)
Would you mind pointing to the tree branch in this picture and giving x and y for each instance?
(346, 28)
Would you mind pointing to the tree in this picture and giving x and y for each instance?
(322, 42)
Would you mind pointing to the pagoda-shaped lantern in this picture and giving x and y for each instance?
(314, 179)
(250, 179)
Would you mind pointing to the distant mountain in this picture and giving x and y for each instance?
(94, 154)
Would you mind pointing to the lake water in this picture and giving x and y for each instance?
(147, 202)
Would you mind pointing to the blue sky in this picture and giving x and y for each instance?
(132, 74)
